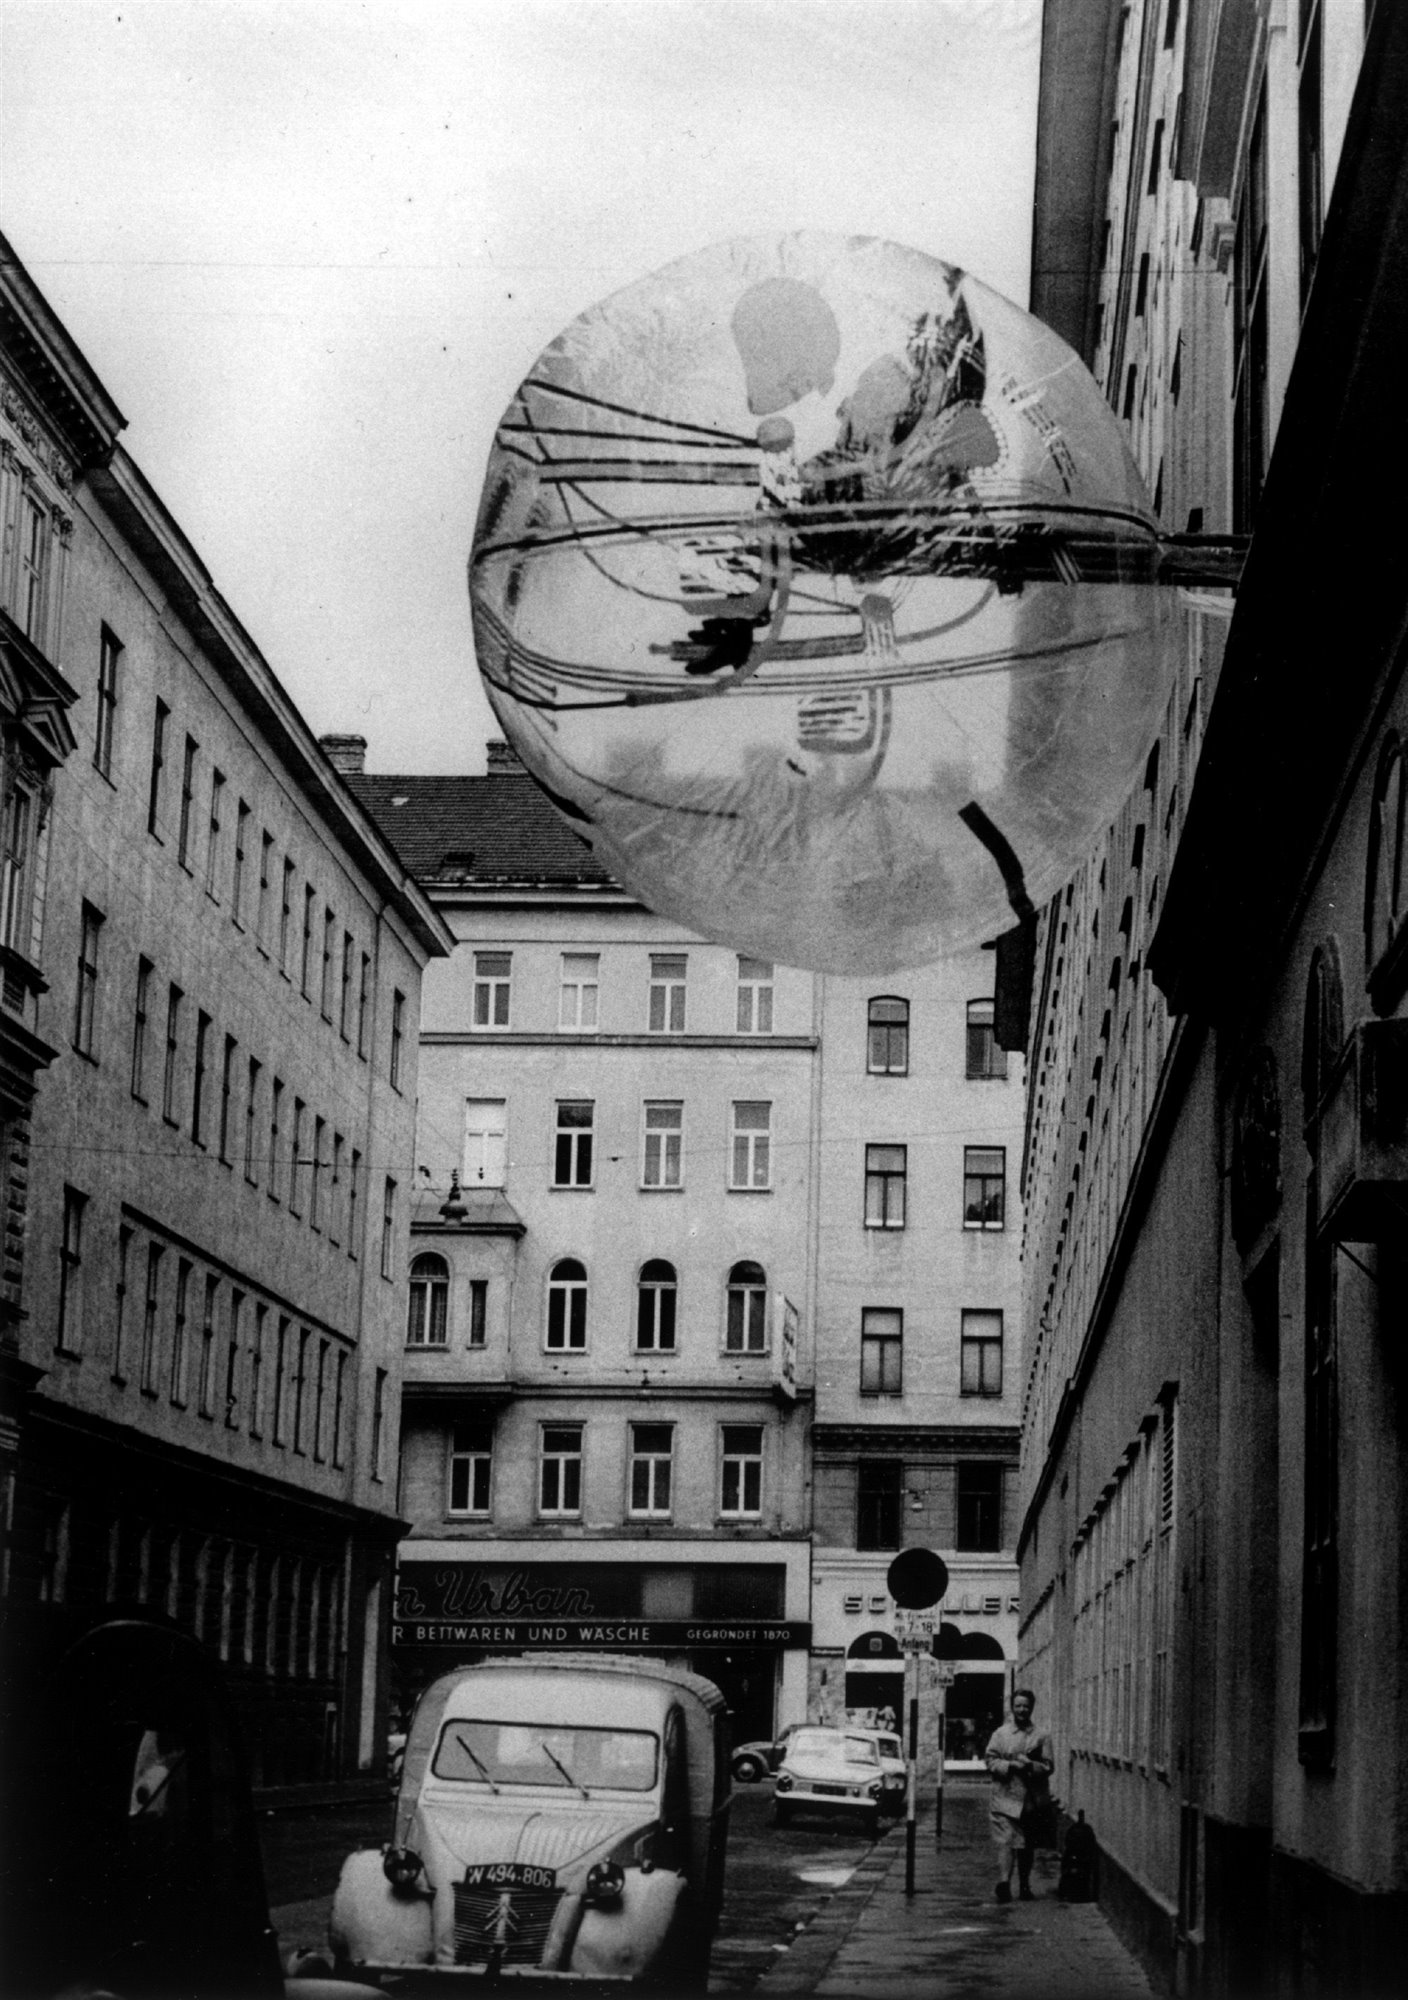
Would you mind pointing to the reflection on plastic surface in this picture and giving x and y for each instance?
(813, 580)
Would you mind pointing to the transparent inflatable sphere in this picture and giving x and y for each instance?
(813, 581)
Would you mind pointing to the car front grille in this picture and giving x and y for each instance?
(520, 1917)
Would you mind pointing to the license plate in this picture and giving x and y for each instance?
(508, 1875)
(833, 1791)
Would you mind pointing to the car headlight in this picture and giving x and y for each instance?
(785, 1781)
(606, 1883)
(876, 1789)
(402, 1867)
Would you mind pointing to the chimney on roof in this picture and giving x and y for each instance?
(502, 756)
(347, 754)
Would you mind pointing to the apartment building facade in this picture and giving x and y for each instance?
(218, 1153)
(608, 1362)
(1213, 1455)
(915, 1440)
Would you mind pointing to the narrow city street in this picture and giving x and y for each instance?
(777, 1879)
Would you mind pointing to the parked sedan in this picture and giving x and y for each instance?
(893, 1770)
(831, 1771)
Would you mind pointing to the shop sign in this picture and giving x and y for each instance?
(786, 1323)
(616, 1635)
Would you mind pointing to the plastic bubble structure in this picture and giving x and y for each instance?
(814, 581)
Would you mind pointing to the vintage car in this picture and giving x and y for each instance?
(561, 1817)
(752, 1761)
(831, 1771)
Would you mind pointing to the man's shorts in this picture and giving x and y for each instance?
(1006, 1829)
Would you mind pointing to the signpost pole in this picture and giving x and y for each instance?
(917, 1580)
(943, 1745)
(911, 1688)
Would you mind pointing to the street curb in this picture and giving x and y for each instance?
(806, 1961)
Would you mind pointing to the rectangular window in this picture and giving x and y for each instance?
(276, 1165)
(33, 564)
(471, 1468)
(662, 1160)
(560, 1470)
(485, 1141)
(984, 1187)
(1251, 413)
(18, 907)
(344, 1004)
(85, 1003)
(179, 1358)
(188, 795)
(70, 1327)
(398, 1037)
(339, 1407)
(232, 1362)
(266, 883)
(207, 1348)
(198, 1078)
(281, 1382)
(305, 963)
(750, 1152)
(300, 1386)
(652, 1460)
(1310, 122)
(158, 766)
(478, 1311)
(364, 989)
(354, 1184)
(379, 1426)
(171, 1071)
(667, 983)
(335, 1190)
(141, 1027)
(241, 844)
(295, 1159)
(212, 835)
(572, 1147)
(984, 1059)
(325, 987)
(155, 1253)
(251, 1109)
(315, 1183)
(741, 1477)
(881, 1351)
(981, 1354)
(286, 917)
(577, 997)
(109, 657)
(887, 1037)
(978, 1506)
(227, 1085)
(388, 1226)
(492, 981)
(320, 1393)
(256, 1371)
(886, 1168)
(754, 996)
(119, 1316)
(879, 1493)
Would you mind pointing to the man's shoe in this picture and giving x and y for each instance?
(1004, 1892)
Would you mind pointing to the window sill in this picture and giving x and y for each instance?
(650, 1187)
(744, 1190)
(459, 1514)
(654, 1353)
(64, 1353)
(745, 1354)
(572, 1187)
(85, 1055)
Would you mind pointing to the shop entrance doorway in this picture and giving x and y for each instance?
(747, 1680)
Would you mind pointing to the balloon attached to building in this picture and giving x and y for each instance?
(814, 581)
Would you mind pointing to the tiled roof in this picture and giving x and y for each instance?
(496, 828)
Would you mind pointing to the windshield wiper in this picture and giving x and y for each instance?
(576, 1783)
(481, 1768)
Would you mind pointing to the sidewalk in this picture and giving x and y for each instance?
(952, 1938)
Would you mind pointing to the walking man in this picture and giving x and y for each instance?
(1020, 1763)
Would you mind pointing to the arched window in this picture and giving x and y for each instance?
(1384, 885)
(428, 1311)
(747, 1325)
(887, 1044)
(567, 1305)
(655, 1307)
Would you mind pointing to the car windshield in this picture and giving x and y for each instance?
(831, 1743)
(890, 1747)
(539, 1753)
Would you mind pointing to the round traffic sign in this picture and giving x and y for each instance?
(917, 1579)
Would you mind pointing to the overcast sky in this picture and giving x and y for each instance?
(312, 246)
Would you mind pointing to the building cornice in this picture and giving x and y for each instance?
(974, 1439)
(53, 370)
(562, 1041)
